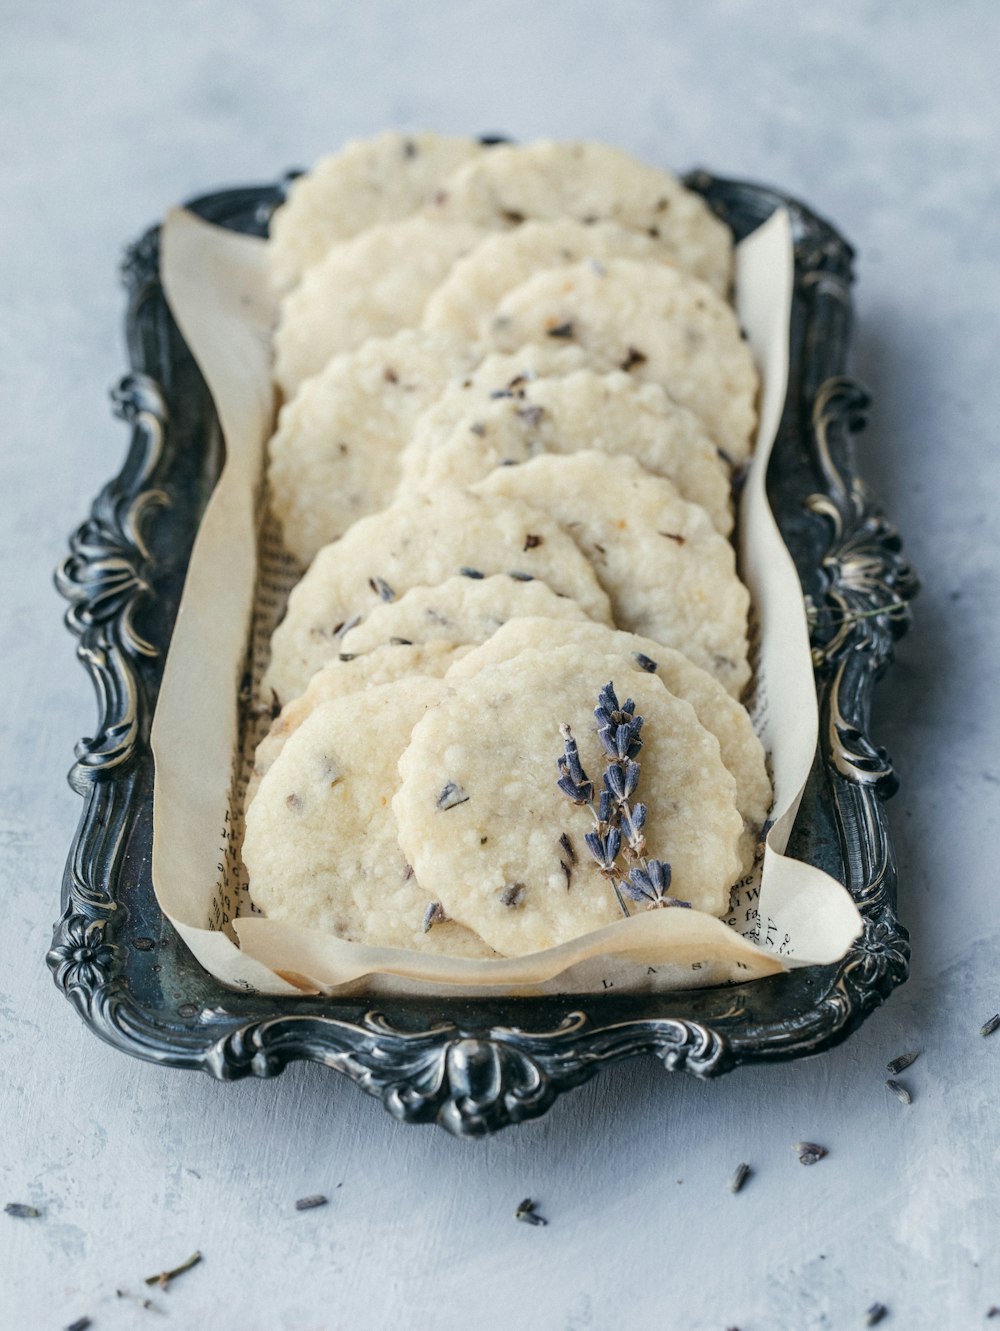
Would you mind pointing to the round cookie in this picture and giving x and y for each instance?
(668, 572)
(583, 410)
(666, 326)
(335, 455)
(370, 286)
(493, 852)
(321, 847)
(381, 179)
(741, 750)
(590, 182)
(386, 665)
(466, 300)
(419, 541)
(459, 610)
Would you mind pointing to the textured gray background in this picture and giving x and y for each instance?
(889, 124)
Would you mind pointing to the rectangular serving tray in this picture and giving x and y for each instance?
(471, 1065)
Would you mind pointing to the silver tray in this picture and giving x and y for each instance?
(471, 1065)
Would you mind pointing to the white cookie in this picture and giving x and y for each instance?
(459, 610)
(386, 665)
(335, 455)
(381, 179)
(668, 572)
(420, 541)
(667, 327)
(370, 286)
(465, 301)
(482, 820)
(741, 750)
(321, 847)
(611, 413)
(591, 182)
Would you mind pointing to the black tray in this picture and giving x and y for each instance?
(470, 1065)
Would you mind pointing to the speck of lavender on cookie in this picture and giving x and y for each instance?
(434, 914)
(381, 589)
(618, 823)
(451, 796)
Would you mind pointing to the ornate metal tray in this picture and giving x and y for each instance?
(470, 1065)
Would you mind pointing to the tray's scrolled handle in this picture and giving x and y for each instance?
(105, 578)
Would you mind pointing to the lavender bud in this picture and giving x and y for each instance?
(659, 874)
(630, 778)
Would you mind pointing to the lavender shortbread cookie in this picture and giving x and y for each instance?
(381, 179)
(492, 836)
(371, 286)
(740, 749)
(465, 301)
(668, 572)
(665, 326)
(334, 457)
(420, 541)
(463, 609)
(321, 844)
(386, 665)
(463, 436)
(590, 182)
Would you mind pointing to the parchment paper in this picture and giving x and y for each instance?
(209, 715)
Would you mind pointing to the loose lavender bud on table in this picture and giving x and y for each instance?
(902, 1062)
(526, 1212)
(899, 1091)
(310, 1203)
(739, 1178)
(809, 1152)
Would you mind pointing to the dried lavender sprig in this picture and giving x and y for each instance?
(615, 819)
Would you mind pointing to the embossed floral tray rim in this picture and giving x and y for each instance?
(470, 1065)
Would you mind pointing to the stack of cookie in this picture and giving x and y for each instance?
(514, 396)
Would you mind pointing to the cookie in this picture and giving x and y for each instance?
(741, 750)
(590, 182)
(334, 457)
(321, 846)
(465, 301)
(459, 610)
(416, 542)
(611, 413)
(385, 665)
(668, 572)
(370, 286)
(490, 834)
(381, 179)
(664, 326)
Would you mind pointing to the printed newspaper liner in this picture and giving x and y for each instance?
(209, 717)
